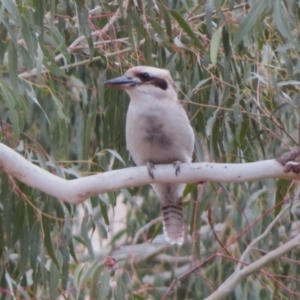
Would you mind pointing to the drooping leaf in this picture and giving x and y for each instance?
(186, 28)
(85, 227)
(12, 9)
(282, 23)
(281, 192)
(48, 240)
(13, 68)
(39, 16)
(249, 21)
(11, 99)
(214, 46)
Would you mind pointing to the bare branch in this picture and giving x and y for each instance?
(235, 279)
(78, 190)
(258, 239)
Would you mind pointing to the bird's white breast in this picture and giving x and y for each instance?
(158, 131)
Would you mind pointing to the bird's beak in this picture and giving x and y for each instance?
(121, 82)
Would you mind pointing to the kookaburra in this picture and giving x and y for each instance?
(158, 132)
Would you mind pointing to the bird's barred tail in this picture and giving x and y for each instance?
(173, 223)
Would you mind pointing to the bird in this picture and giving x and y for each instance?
(158, 131)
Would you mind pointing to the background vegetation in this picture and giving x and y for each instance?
(237, 70)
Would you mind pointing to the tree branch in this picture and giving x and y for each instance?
(257, 240)
(78, 190)
(236, 278)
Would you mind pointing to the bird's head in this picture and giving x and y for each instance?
(143, 80)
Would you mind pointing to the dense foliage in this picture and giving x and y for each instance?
(236, 66)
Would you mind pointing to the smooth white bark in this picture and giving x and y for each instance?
(78, 190)
(236, 278)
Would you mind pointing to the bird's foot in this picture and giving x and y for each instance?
(176, 165)
(150, 166)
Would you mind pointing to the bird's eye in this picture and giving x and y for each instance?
(145, 76)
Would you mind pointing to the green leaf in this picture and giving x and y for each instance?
(208, 17)
(12, 9)
(26, 59)
(189, 189)
(214, 46)
(115, 154)
(226, 42)
(24, 249)
(249, 21)
(96, 266)
(282, 108)
(35, 245)
(48, 240)
(158, 29)
(83, 18)
(167, 20)
(282, 25)
(39, 61)
(71, 248)
(10, 99)
(4, 40)
(210, 123)
(104, 212)
(18, 223)
(84, 232)
(54, 69)
(59, 108)
(10, 31)
(13, 67)
(186, 28)
(128, 196)
(78, 274)
(54, 280)
(30, 92)
(102, 229)
(104, 287)
(28, 40)
(121, 288)
(281, 192)
(39, 16)
(60, 43)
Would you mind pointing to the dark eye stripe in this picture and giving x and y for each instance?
(158, 82)
(161, 83)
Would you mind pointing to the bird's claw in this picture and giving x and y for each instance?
(177, 164)
(150, 166)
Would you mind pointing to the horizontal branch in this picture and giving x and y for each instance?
(78, 190)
